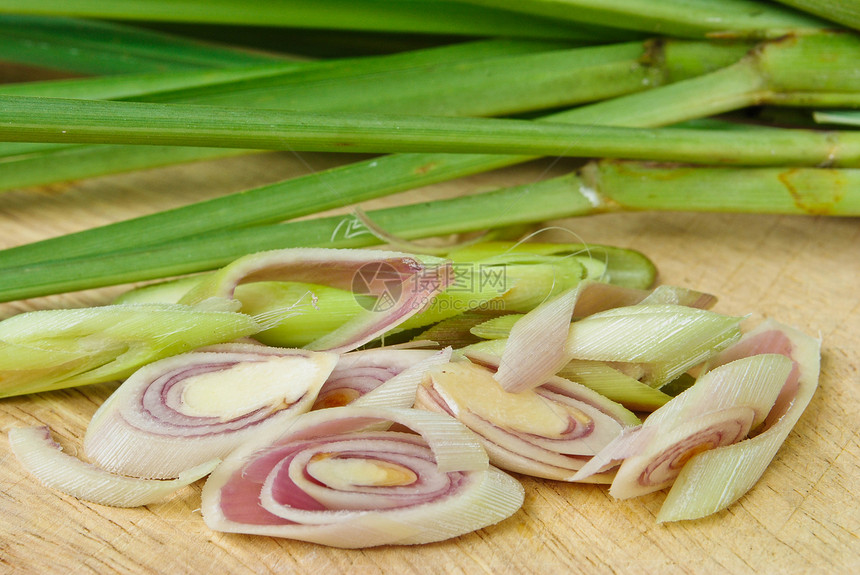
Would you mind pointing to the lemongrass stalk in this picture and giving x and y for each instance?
(54, 349)
(845, 12)
(795, 191)
(480, 78)
(33, 119)
(129, 86)
(424, 16)
(320, 85)
(420, 80)
(685, 18)
(90, 47)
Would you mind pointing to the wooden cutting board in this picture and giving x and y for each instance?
(802, 517)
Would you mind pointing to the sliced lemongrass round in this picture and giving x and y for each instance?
(359, 373)
(550, 431)
(43, 458)
(714, 480)
(337, 477)
(196, 406)
(670, 449)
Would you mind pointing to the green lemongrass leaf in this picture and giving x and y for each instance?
(479, 78)
(294, 198)
(845, 12)
(560, 197)
(89, 47)
(665, 340)
(685, 18)
(425, 16)
(320, 86)
(87, 121)
(128, 86)
(54, 349)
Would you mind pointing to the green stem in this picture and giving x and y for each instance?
(706, 95)
(481, 78)
(845, 12)
(422, 16)
(90, 121)
(87, 47)
(599, 188)
(684, 18)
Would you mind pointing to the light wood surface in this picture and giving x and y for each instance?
(802, 517)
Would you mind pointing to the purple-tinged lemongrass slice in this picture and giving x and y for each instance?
(536, 346)
(338, 477)
(713, 480)
(193, 407)
(719, 409)
(403, 284)
(359, 372)
(550, 431)
(44, 459)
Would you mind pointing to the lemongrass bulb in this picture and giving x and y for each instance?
(337, 478)
(193, 407)
(46, 461)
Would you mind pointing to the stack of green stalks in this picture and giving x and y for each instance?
(446, 89)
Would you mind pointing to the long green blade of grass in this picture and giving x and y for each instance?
(30, 119)
(598, 188)
(684, 18)
(417, 16)
(482, 67)
(845, 12)
(90, 47)
(479, 80)
(702, 96)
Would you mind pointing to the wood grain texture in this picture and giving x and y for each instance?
(802, 517)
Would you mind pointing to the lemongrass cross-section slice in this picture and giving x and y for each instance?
(382, 376)
(193, 407)
(339, 477)
(550, 431)
(402, 285)
(45, 460)
(713, 480)
(718, 410)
